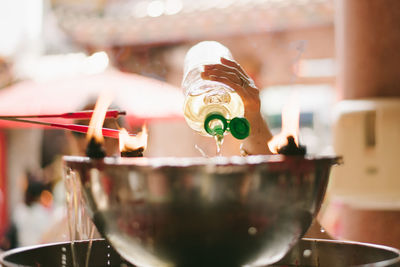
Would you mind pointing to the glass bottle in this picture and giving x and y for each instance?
(211, 108)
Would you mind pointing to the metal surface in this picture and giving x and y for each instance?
(202, 211)
(307, 252)
(60, 255)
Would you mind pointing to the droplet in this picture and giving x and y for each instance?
(219, 139)
(307, 253)
(252, 230)
(203, 154)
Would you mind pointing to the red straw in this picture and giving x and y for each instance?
(86, 114)
(107, 132)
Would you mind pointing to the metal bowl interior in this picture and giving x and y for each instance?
(202, 211)
(307, 252)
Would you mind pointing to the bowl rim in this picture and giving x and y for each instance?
(387, 262)
(307, 241)
(275, 159)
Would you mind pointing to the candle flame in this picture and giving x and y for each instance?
(99, 114)
(128, 142)
(290, 125)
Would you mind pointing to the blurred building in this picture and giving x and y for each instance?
(282, 44)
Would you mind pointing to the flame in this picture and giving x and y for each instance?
(128, 142)
(99, 114)
(46, 198)
(290, 125)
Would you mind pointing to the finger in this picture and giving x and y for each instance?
(229, 75)
(223, 68)
(244, 83)
(234, 65)
(231, 66)
(238, 89)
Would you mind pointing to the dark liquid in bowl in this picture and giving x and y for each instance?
(226, 235)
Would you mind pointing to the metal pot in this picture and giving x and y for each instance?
(219, 211)
(307, 252)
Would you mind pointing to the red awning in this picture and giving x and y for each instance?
(144, 99)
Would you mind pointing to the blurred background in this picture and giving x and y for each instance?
(57, 56)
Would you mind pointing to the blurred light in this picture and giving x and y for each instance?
(223, 3)
(97, 190)
(155, 8)
(140, 9)
(324, 67)
(20, 26)
(46, 198)
(273, 97)
(173, 7)
(66, 65)
(34, 18)
(96, 63)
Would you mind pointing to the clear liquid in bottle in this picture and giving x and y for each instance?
(216, 100)
(205, 97)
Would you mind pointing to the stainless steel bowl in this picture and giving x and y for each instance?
(307, 252)
(202, 211)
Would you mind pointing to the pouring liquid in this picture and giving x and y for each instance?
(79, 224)
(219, 139)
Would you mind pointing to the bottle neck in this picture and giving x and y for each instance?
(215, 124)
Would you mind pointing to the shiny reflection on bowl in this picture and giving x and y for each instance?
(233, 211)
(307, 252)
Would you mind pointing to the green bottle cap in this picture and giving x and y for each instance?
(239, 127)
(215, 124)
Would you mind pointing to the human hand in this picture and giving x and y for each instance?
(233, 75)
